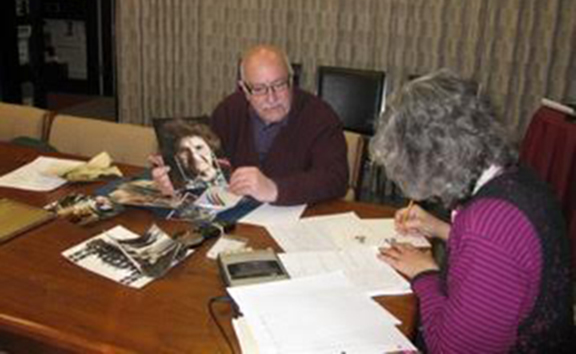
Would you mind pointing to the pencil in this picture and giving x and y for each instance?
(407, 215)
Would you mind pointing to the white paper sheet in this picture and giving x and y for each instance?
(245, 337)
(384, 234)
(317, 314)
(322, 233)
(39, 175)
(360, 266)
(226, 244)
(267, 214)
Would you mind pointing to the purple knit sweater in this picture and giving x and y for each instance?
(496, 270)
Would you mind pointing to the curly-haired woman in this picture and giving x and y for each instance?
(506, 286)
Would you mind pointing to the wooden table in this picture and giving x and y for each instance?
(48, 304)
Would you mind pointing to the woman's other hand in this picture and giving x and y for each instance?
(408, 259)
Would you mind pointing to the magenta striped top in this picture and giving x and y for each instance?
(492, 282)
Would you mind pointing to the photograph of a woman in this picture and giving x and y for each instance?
(192, 147)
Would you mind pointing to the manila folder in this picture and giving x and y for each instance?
(17, 217)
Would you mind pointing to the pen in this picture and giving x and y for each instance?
(407, 215)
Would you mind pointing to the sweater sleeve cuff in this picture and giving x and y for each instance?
(281, 192)
(423, 278)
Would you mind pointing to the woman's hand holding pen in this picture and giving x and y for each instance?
(414, 219)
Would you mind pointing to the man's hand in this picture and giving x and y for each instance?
(250, 181)
(408, 259)
(160, 175)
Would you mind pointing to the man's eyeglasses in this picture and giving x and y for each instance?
(262, 90)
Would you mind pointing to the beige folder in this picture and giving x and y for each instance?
(17, 217)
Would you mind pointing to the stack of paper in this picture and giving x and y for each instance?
(317, 314)
(344, 242)
(317, 311)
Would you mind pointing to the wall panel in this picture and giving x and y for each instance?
(179, 57)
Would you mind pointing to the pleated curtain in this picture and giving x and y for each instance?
(180, 57)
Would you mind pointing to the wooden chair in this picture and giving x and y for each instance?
(126, 143)
(355, 143)
(22, 121)
(549, 147)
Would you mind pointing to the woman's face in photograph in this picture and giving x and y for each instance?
(196, 156)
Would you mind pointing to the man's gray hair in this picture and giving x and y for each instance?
(437, 136)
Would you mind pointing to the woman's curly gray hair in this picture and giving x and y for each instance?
(437, 136)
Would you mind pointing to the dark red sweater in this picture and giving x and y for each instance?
(307, 160)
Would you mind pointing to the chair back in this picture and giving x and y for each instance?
(356, 95)
(126, 143)
(355, 143)
(21, 121)
(296, 74)
(549, 147)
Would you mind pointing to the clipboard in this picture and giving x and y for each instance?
(17, 217)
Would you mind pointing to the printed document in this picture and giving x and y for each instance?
(385, 234)
(339, 232)
(39, 175)
(322, 233)
(360, 265)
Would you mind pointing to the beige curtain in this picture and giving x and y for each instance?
(179, 57)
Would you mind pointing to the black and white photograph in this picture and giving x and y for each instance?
(128, 258)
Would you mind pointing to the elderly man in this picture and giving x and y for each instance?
(286, 145)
